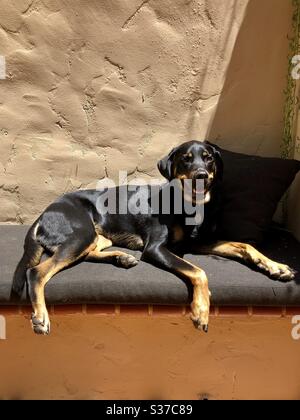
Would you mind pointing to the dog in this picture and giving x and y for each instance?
(74, 228)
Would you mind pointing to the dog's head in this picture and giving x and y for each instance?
(194, 160)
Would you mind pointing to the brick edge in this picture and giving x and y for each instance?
(154, 310)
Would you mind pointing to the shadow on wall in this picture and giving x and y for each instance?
(249, 115)
(249, 110)
(206, 95)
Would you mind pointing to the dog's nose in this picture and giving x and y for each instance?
(201, 174)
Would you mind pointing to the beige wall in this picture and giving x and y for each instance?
(131, 357)
(97, 86)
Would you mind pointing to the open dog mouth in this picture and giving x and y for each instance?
(195, 187)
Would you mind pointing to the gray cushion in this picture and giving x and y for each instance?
(231, 283)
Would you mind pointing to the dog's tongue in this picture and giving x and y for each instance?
(199, 191)
(195, 186)
(198, 186)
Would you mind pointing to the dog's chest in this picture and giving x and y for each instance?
(177, 234)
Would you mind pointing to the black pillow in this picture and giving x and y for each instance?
(251, 189)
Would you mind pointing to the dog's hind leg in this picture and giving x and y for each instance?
(32, 256)
(249, 254)
(39, 276)
(118, 258)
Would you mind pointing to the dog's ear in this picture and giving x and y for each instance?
(165, 164)
(219, 164)
(218, 159)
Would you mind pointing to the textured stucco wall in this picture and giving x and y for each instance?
(97, 86)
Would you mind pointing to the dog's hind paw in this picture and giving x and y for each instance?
(40, 327)
(127, 261)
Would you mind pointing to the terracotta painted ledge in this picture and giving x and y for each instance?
(155, 310)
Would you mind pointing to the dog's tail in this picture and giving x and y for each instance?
(33, 252)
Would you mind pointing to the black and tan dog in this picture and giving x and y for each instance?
(73, 229)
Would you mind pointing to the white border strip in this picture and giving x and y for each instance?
(2, 328)
(2, 68)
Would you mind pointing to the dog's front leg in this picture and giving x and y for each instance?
(248, 253)
(160, 256)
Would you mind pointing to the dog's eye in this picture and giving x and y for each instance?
(207, 156)
(187, 157)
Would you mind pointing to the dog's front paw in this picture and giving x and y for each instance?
(200, 318)
(40, 327)
(278, 271)
(127, 261)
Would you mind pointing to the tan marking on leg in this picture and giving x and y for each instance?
(178, 234)
(120, 258)
(201, 296)
(250, 254)
(102, 243)
(39, 276)
(187, 271)
(99, 255)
